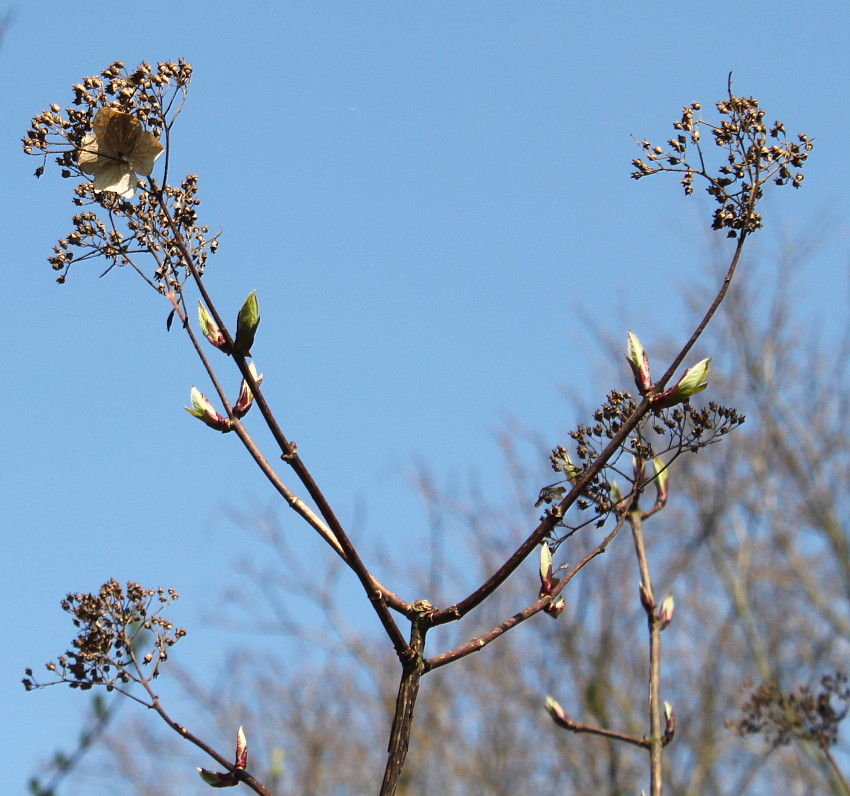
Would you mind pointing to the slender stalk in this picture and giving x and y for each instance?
(478, 643)
(835, 769)
(656, 741)
(587, 729)
(241, 774)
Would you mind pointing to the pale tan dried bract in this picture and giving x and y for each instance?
(116, 151)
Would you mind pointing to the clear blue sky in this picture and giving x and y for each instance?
(423, 194)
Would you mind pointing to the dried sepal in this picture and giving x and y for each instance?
(556, 608)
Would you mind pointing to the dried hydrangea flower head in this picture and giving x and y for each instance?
(116, 151)
(112, 134)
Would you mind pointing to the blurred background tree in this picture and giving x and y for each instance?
(753, 543)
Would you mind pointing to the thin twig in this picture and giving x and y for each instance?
(835, 769)
(241, 774)
(656, 741)
(554, 515)
(379, 598)
(576, 727)
(478, 643)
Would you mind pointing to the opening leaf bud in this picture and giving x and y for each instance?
(246, 325)
(241, 749)
(218, 779)
(661, 478)
(665, 612)
(203, 410)
(246, 397)
(693, 381)
(639, 363)
(209, 327)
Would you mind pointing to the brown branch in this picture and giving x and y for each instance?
(554, 515)
(834, 765)
(478, 643)
(573, 726)
(295, 503)
(379, 597)
(408, 691)
(656, 742)
(240, 774)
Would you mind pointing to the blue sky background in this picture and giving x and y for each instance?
(430, 199)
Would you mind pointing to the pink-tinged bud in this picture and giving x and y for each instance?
(241, 749)
(670, 718)
(639, 363)
(209, 327)
(614, 493)
(545, 563)
(661, 478)
(557, 713)
(203, 410)
(646, 599)
(548, 581)
(693, 381)
(246, 397)
(218, 779)
(556, 608)
(665, 612)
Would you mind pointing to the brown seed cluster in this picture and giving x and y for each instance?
(122, 637)
(754, 154)
(158, 230)
(799, 715)
(665, 432)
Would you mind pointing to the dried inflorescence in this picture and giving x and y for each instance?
(122, 637)
(663, 433)
(755, 154)
(799, 715)
(113, 131)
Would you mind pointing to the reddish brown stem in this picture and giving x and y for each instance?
(478, 643)
(835, 769)
(408, 691)
(241, 774)
(378, 597)
(656, 741)
(554, 515)
(574, 726)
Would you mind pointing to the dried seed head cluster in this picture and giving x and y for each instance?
(799, 715)
(122, 637)
(755, 154)
(664, 433)
(114, 130)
